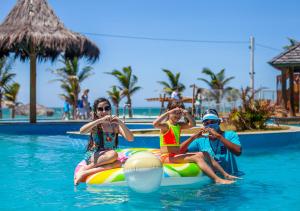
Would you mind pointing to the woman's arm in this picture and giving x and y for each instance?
(89, 126)
(123, 129)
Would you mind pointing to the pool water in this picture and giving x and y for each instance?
(37, 173)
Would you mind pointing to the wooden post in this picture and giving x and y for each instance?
(292, 101)
(283, 89)
(32, 85)
(193, 100)
(161, 104)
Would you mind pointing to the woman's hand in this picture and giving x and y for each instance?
(116, 120)
(106, 118)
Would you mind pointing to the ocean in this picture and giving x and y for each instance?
(138, 112)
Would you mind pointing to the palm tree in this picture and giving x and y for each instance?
(11, 92)
(116, 96)
(174, 83)
(217, 83)
(70, 76)
(127, 84)
(232, 96)
(292, 41)
(5, 78)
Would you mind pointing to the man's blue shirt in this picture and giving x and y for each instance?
(218, 151)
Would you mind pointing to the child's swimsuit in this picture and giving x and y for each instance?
(170, 138)
(104, 141)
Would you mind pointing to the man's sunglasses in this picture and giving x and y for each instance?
(106, 108)
(207, 122)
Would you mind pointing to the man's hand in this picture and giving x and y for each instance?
(199, 134)
(213, 133)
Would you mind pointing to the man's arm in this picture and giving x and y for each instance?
(184, 145)
(234, 148)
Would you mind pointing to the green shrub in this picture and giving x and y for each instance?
(252, 114)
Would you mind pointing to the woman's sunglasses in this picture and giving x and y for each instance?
(106, 108)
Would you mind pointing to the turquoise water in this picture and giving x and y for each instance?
(139, 112)
(37, 173)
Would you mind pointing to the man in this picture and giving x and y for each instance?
(223, 146)
(175, 94)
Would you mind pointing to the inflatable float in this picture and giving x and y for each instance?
(143, 171)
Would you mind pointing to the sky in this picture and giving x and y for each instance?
(270, 22)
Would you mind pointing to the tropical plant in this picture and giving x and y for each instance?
(292, 43)
(127, 84)
(6, 76)
(253, 114)
(71, 76)
(116, 97)
(233, 95)
(173, 84)
(11, 93)
(217, 84)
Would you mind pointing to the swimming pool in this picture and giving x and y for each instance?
(37, 173)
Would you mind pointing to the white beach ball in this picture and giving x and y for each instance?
(143, 172)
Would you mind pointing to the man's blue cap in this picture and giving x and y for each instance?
(210, 114)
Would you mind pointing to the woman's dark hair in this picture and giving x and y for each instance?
(175, 104)
(98, 129)
(95, 106)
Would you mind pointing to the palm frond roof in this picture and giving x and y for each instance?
(33, 24)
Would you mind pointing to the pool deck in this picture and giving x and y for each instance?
(292, 129)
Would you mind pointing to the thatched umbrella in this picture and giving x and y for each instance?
(32, 31)
(169, 99)
(41, 110)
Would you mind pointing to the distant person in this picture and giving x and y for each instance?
(198, 105)
(175, 95)
(171, 149)
(86, 104)
(223, 146)
(104, 130)
(80, 114)
(66, 110)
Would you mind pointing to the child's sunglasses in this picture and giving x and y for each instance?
(106, 108)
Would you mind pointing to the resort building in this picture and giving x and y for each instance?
(288, 82)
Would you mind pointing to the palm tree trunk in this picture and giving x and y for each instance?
(74, 105)
(13, 112)
(283, 89)
(117, 109)
(0, 105)
(292, 100)
(32, 85)
(129, 106)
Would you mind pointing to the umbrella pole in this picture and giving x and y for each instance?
(32, 112)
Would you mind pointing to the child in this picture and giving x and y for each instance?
(171, 151)
(104, 130)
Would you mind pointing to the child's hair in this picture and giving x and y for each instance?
(95, 106)
(175, 104)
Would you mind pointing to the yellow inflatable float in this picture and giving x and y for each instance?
(144, 172)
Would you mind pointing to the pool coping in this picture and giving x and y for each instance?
(292, 129)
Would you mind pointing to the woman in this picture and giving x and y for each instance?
(104, 130)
